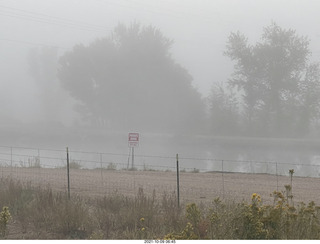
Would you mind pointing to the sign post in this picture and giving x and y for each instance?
(133, 141)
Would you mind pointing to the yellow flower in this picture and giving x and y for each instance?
(142, 229)
(256, 198)
(142, 220)
(259, 198)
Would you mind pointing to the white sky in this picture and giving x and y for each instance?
(199, 29)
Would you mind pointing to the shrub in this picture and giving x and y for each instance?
(5, 216)
(74, 165)
(111, 166)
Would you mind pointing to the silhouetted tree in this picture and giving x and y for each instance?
(224, 111)
(280, 88)
(129, 80)
(43, 64)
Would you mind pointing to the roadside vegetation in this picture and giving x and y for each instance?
(29, 212)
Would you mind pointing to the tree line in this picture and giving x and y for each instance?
(129, 80)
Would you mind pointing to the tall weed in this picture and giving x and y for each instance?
(41, 213)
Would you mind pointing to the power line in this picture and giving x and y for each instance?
(54, 20)
(46, 19)
(49, 19)
(164, 11)
(54, 17)
(32, 43)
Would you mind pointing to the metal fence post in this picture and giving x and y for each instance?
(11, 156)
(222, 179)
(277, 176)
(101, 169)
(11, 163)
(39, 158)
(178, 187)
(68, 173)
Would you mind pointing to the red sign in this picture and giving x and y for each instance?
(133, 140)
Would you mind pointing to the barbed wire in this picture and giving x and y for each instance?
(97, 153)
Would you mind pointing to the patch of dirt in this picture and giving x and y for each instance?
(193, 187)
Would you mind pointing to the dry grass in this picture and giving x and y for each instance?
(194, 187)
(40, 213)
(120, 204)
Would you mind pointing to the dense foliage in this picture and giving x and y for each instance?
(130, 80)
(274, 90)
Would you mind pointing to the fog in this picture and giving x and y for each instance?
(39, 107)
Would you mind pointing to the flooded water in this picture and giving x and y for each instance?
(99, 149)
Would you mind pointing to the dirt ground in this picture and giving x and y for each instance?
(193, 187)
